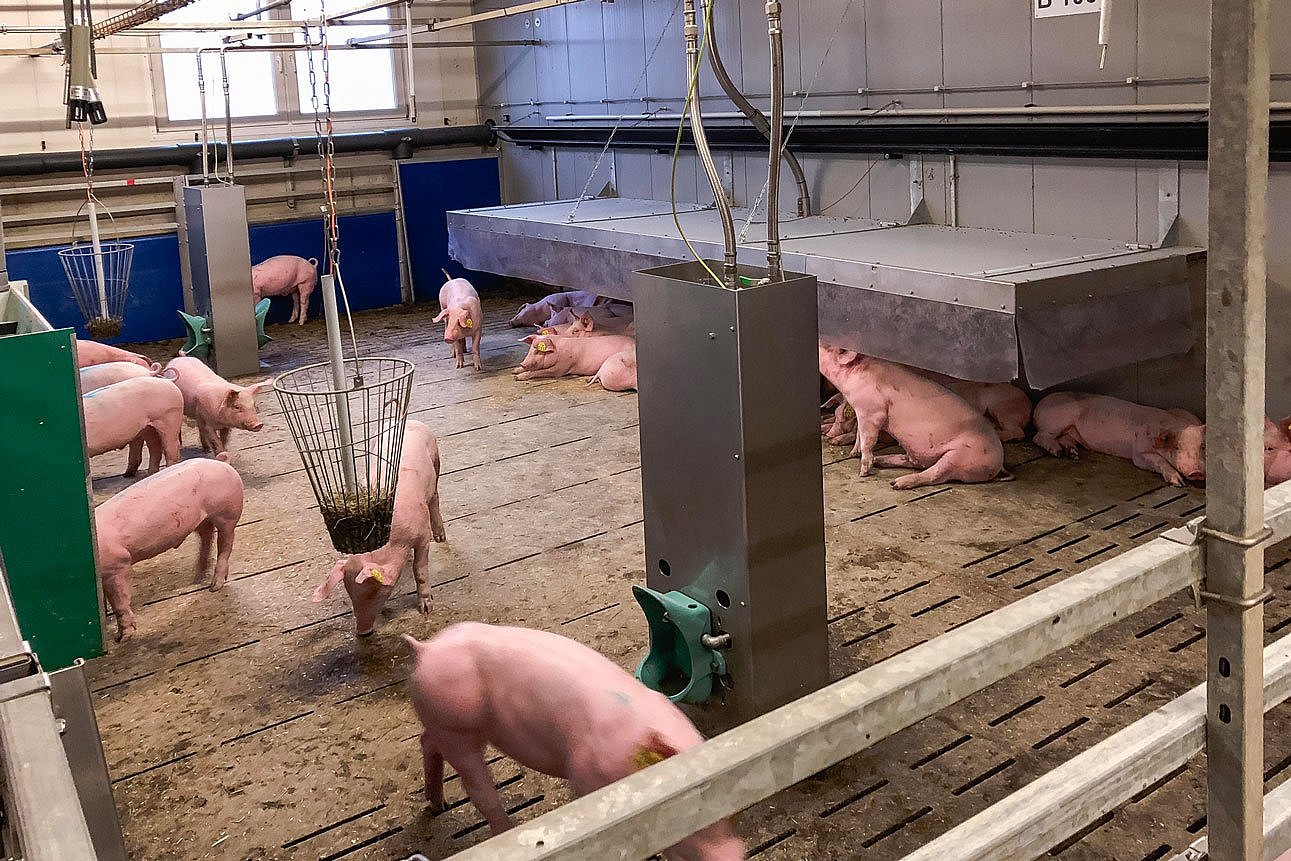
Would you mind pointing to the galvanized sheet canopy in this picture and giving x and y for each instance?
(987, 305)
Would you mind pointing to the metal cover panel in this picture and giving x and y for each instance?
(220, 257)
(730, 473)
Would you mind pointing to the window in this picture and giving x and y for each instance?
(251, 74)
(261, 84)
(361, 80)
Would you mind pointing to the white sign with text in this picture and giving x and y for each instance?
(1054, 8)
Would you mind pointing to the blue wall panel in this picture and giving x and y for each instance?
(369, 258)
(156, 291)
(369, 255)
(430, 189)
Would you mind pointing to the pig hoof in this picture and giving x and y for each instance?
(364, 633)
(424, 607)
(440, 537)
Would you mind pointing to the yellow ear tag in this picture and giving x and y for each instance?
(542, 347)
(644, 758)
(468, 323)
(377, 576)
(848, 412)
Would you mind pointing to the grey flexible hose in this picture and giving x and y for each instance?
(759, 121)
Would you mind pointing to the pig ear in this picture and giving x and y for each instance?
(847, 357)
(231, 398)
(370, 572)
(586, 320)
(264, 384)
(439, 318)
(528, 339)
(333, 580)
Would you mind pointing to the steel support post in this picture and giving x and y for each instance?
(1235, 323)
(4, 268)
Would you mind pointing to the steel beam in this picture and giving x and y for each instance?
(1235, 356)
(1045, 812)
(656, 807)
(1277, 829)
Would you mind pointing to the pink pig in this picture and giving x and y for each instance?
(587, 323)
(460, 305)
(1005, 406)
(564, 355)
(537, 313)
(98, 376)
(619, 372)
(1277, 452)
(840, 428)
(156, 515)
(213, 403)
(93, 353)
(552, 705)
(941, 433)
(1171, 442)
(286, 275)
(131, 413)
(371, 578)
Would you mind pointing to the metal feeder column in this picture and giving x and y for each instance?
(731, 478)
(219, 255)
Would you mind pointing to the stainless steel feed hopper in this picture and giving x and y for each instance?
(731, 481)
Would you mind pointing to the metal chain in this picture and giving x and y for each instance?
(610, 140)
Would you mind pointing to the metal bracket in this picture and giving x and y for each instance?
(919, 213)
(1168, 206)
(1192, 533)
(23, 687)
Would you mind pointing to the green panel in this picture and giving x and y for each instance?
(44, 504)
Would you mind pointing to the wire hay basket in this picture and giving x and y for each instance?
(350, 441)
(99, 282)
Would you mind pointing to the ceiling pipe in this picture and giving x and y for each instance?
(395, 141)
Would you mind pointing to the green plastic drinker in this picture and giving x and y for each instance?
(679, 665)
(198, 344)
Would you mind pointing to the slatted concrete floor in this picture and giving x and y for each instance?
(250, 724)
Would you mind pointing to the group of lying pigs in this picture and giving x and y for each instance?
(588, 721)
(579, 334)
(951, 430)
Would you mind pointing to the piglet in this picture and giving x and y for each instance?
(619, 372)
(589, 323)
(941, 433)
(1171, 442)
(371, 578)
(459, 304)
(1005, 406)
(213, 403)
(1277, 452)
(156, 515)
(552, 705)
(131, 413)
(537, 313)
(286, 275)
(562, 355)
(98, 376)
(840, 427)
(93, 353)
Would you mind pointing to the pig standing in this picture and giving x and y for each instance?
(1277, 452)
(562, 355)
(460, 305)
(158, 514)
(213, 403)
(370, 578)
(98, 376)
(537, 313)
(619, 372)
(131, 413)
(93, 353)
(1171, 442)
(552, 705)
(941, 433)
(286, 275)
